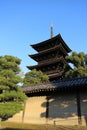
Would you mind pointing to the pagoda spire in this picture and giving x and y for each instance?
(51, 30)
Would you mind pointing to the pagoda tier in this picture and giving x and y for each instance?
(46, 63)
(51, 57)
(54, 67)
(48, 54)
(51, 43)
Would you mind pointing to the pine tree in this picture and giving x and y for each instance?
(11, 95)
(35, 77)
(78, 62)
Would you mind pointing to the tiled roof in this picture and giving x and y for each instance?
(59, 46)
(65, 83)
(37, 45)
(52, 61)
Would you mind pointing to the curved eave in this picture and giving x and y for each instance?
(64, 84)
(59, 37)
(34, 56)
(47, 63)
(64, 44)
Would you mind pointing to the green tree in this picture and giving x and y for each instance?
(35, 77)
(78, 62)
(11, 94)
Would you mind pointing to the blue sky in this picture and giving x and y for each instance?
(26, 22)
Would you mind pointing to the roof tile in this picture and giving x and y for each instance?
(68, 83)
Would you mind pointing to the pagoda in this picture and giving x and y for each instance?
(50, 57)
(63, 102)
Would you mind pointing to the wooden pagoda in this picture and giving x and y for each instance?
(50, 57)
(63, 102)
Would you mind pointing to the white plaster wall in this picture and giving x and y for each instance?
(33, 110)
(16, 118)
(62, 110)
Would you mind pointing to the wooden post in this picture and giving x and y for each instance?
(78, 107)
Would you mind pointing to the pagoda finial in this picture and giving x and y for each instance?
(51, 30)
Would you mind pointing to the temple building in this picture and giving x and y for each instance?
(61, 101)
(51, 57)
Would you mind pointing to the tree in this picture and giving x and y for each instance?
(11, 95)
(35, 77)
(78, 62)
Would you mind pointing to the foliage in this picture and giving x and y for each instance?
(78, 63)
(11, 95)
(35, 77)
(8, 109)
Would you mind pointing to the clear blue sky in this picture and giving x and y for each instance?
(25, 22)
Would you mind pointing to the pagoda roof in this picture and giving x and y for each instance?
(64, 84)
(57, 37)
(34, 56)
(51, 61)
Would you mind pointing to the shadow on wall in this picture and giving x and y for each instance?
(83, 97)
(64, 105)
(60, 106)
